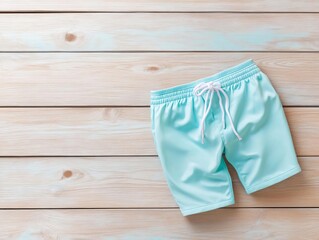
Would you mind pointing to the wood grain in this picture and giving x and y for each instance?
(77, 157)
(161, 5)
(128, 182)
(160, 224)
(125, 79)
(109, 131)
(159, 32)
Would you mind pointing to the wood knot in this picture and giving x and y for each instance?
(152, 68)
(70, 37)
(67, 174)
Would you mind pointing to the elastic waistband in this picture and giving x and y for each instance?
(225, 77)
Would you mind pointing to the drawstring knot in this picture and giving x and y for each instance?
(211, 88)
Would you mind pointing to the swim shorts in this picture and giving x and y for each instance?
(235, 113)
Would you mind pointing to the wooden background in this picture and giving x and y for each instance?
(77, 156)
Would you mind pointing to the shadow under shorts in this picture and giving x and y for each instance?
(236, 113)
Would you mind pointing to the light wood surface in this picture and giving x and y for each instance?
(159, 32)
(77, 158)
(128, 182)
(148, 224)
(161, 5)
(126, 79)
(110, 131)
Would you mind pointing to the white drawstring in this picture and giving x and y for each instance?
(213, 87)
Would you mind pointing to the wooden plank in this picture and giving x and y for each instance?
(161, 5)
(108, 182)
(109, 131)
(159, 32)
(128, 182)
(125, 79)
(160, 224)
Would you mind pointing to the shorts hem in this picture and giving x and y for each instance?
(208, 207)
(273, 181)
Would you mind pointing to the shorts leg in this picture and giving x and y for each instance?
(196, 173)
(265, 155)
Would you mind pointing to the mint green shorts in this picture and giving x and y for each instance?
(235, 113)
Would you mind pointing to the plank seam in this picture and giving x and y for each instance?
(150, 208)
(128, 106)
(167, 51)
(157, 12)
(101, 156)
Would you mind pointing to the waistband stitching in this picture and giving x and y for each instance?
(250, 71)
